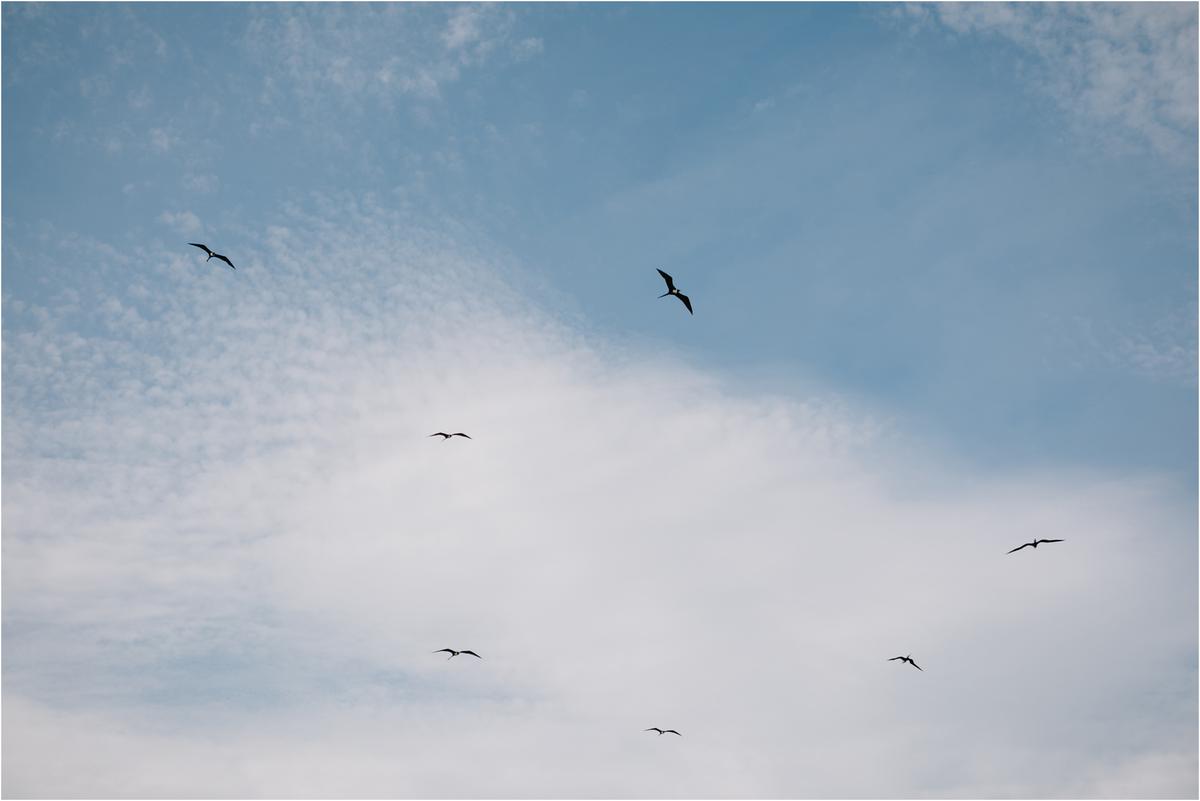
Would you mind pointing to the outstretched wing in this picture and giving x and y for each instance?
(653, 728)
(914, 664)
(894, 658)
(668, 279)
(224, 259)
(1051, 540)
(440, 434)
(450, 651)
(685, 300)
(671, 731)
(1014, 550)
(459, 434)
(202, 247)
(472, 653)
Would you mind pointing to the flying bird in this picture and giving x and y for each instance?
(907, 659)
(212, 254)
(661, 732)
(671, 290)
(446, 436)
(1034, 544)
(454, 653)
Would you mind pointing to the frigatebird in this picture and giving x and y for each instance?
(907, 659)
(1034, 544)
(212, 254)
(446, 436)
(671, 290)
(454, 653)
(661, 732)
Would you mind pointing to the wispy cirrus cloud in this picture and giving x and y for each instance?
(244, 548)
(1163, 350)
(1124, 66)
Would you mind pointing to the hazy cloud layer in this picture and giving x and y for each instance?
(230, 548)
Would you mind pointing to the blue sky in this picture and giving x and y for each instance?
(943, 262)
(900, 212)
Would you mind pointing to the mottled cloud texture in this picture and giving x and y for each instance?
(376, 54)
(230, 547)
(1128, 64)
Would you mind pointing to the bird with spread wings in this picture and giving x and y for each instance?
(909, 660)
(454, 653)
(212, 254)
(671, 290)
(1033, 544)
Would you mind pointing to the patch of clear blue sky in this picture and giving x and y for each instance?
(899, 216)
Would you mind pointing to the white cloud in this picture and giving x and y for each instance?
(579, 98)
(229, 540)
(185, 222)
(1163, 359)
(140, 98)
(1163, 350)
(1155, 775)
(160, 44)
(121, 56)
(1128, 65)
(95, 86)
(377, 54)
(528, 47)
(463, 27)
(201, 182)
(160, 140)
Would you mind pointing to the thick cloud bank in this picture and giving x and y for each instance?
(230, 547)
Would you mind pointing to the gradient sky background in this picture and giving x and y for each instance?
(943, 262)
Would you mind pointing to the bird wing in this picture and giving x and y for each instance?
(914, 664)
(1052, 540)
(224, 259)
(685, 300)
(894, 658)
(440, 434)
(653, 728)
(670, 281)
(472, 653)
(445, 650)
(459, 434)
(202, 247)
(671, 731)
(1014, 550)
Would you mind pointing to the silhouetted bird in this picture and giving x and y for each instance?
(671, 290)
(454, 653)
(661, 732)
(907, 659)
(446, 436)
(211, 254)
(1034, 544)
